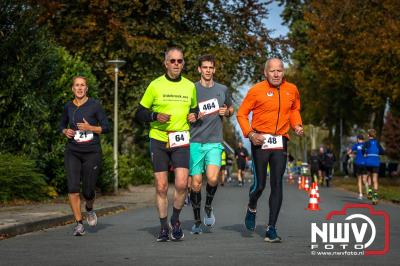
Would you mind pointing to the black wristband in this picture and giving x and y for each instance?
(154, 116)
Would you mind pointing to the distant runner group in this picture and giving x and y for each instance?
(186, 133)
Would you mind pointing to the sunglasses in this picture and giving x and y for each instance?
(172, 61)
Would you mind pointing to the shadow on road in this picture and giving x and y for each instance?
(154, 230)
(353, 200)
(98, 227)
(240, 228)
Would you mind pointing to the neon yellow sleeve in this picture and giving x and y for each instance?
(194, 98)
(148, 97)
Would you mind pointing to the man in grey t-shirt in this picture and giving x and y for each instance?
(206, 139)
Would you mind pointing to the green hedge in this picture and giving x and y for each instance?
(20, 179)
(132, 170)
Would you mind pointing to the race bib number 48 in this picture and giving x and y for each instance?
(209, 106)
(272, 142)
(83, 136)
(178, 139)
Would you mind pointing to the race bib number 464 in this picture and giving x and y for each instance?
(83, 136)
(272, 142)
(209, 106)
(178, 139)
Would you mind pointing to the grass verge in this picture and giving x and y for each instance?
(388, 187)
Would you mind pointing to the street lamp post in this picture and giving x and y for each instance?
(116, 64)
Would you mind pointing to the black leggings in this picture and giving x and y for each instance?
(85, 165)
(277, 163)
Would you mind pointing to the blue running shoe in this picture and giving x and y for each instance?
(177, 233)
(209, 218)
(196, 229)
(250, 220)
(271, 235)
(163, 236)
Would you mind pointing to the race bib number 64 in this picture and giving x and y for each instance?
(178, 139)
(272, 142)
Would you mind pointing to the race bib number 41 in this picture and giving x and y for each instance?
(83, 136)
(209, 106)
(272, 142)
(178, 139)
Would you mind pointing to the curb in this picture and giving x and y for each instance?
(29, 227)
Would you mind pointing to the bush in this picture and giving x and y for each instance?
(19, 179)
(36, 77)
(132, 170)
(106, 179)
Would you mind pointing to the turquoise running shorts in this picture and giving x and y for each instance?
(203, 154)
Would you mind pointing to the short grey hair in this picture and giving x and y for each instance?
(173, 48)
(271, 59)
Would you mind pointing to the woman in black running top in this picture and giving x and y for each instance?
(82, 122)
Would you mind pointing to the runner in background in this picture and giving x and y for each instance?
(314, 165)
(330, 160)
(222, 170)
(372, 162)
(359, 164)
(229, 164)
(241, 155)
(321, 165)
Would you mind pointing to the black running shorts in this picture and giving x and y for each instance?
(162, 157)
(372, 170)
(241, 164)
(360, 169)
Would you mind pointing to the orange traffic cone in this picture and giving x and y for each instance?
(312, 186)
(313, 202)
(299, 182)
(306, 186)
(317, 192)
(290, 178)
(302, 182)
(315, 187)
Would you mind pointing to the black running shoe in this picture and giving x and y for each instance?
(163, 236)
(177, 233)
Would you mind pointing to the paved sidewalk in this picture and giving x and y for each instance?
(21, 219)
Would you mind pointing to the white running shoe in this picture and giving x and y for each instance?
(79, 230)
(91, 218)
(209, 218)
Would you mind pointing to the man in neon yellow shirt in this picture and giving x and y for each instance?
(169, 104)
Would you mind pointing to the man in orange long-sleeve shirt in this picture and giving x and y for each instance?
(275, 104)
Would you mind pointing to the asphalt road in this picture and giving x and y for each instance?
(128, 238)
